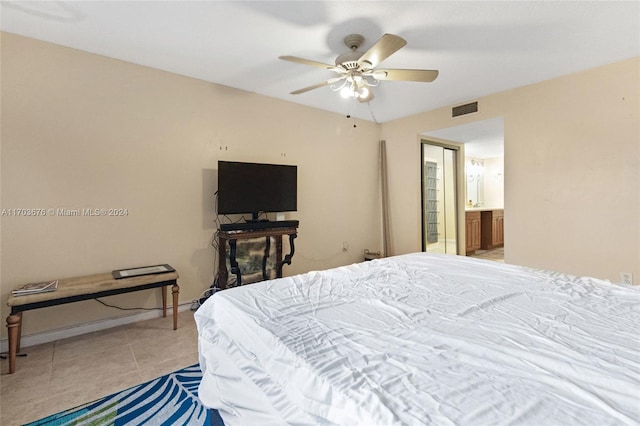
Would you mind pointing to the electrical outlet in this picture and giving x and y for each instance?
(627, 278)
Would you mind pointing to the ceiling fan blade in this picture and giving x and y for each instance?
(385, 47)
(308, 62)
(405, 75)
(316, 86)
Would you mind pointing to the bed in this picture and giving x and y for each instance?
(423, 339)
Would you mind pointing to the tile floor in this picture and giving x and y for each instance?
(496, 254)
(66, 373)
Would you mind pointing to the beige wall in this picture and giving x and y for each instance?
(493, 180)
(572, 171)
(85, 131)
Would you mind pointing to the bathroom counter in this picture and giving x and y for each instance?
(482, 209)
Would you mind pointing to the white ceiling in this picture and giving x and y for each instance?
(478, 47)
(482, 139)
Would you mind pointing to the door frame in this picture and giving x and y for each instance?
(459, 188)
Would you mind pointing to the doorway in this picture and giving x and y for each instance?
(439, 195)
(482, 152)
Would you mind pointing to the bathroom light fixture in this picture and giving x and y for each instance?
(475, 169)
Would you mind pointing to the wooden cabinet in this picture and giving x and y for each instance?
(472, 231)
(484, 230)
(492, 229)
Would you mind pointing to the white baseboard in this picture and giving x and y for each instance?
(90, 327)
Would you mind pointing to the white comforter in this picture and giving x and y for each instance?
(423, 339)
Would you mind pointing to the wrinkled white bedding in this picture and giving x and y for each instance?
(423, 339)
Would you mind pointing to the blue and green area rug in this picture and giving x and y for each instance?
(167, 400)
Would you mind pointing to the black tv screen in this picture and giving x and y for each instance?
(255, 188)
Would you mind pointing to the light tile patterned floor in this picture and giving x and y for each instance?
(66, 373)
(496, 254)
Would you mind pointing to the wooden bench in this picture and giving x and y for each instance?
(85, 288)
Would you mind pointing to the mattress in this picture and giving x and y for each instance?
(423, 339)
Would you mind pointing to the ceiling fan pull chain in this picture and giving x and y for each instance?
(352, 103)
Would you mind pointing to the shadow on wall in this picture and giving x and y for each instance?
(205, 259)
(209, 188)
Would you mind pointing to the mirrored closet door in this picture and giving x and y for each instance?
(439, 223)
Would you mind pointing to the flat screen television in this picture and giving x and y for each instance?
(255, 188)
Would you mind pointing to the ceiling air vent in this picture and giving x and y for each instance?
(459, 110)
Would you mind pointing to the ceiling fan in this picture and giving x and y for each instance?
(357, 71)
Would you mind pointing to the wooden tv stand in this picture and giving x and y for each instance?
(231, 236)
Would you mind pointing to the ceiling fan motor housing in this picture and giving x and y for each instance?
(349, 61)
(353, 41)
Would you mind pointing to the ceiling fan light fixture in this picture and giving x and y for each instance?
(357, 89)
(346, 92)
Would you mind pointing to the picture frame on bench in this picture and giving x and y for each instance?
(143, 270)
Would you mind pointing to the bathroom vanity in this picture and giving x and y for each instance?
(484, 229)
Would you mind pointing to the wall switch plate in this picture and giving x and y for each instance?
(627, 278)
